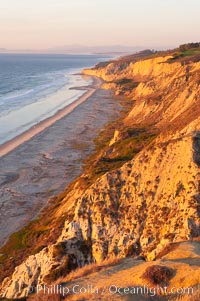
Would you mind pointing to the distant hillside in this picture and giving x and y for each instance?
(79, 49)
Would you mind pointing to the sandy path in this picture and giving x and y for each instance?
(27, 135)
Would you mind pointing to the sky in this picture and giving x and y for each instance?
(43, 24)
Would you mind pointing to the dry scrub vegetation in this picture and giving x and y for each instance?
(179, 268)
(157, 274)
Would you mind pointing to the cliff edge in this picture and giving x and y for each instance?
(145, 192)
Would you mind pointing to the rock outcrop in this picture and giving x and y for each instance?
(151, 200)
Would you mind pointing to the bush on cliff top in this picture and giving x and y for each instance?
(158, 275)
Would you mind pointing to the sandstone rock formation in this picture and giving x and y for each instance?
(152, 199)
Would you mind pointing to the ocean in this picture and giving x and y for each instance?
(34, 87)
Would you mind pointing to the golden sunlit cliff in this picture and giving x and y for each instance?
(144, 193)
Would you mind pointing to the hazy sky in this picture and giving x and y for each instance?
(39, 24)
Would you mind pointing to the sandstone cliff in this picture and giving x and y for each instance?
(150, 200)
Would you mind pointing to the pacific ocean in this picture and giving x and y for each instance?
(34, 87)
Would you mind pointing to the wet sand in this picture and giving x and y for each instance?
(42, 166)
(27, 135)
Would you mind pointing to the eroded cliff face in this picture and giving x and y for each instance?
(151, 200)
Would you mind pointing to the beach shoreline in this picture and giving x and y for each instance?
(12, 144)
(42, 167)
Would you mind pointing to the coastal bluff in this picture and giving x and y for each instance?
(146, 197)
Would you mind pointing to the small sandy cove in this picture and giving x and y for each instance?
(27, 135)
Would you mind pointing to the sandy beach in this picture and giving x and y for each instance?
(27, 135)
(47, 158)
